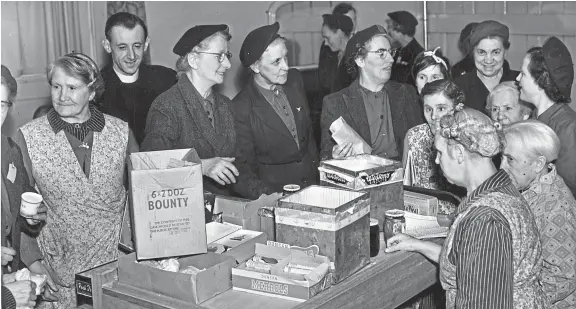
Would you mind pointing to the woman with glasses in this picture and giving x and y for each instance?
(192, 114)
(76, 157)
(276, 145)
(491, 257)
(489, 44)
(380, 110)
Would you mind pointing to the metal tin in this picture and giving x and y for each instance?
(394, 223)
(289, 189)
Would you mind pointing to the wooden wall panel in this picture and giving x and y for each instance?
(516, 7)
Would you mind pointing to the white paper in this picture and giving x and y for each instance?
(422, 227)
(342, 133)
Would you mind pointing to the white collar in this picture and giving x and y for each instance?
(126, 79)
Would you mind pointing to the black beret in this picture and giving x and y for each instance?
(559, 63)
(488, 28)
(339, 21)
(404, 18)
(12, 84)
(361, 37)
(256, 43)
(194, 36)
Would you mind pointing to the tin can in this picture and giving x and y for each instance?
(289, 189)
(394, 223)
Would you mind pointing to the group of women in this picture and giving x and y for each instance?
(511, 243)
(510, 246)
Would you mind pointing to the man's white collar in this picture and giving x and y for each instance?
(127, 79)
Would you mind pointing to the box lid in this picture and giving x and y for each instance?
(320, 199)
(362, 163)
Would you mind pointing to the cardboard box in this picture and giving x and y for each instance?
(239, 245)
(420, 204)
(276, 284)
(88, 284)
(336, 220)
(244, 212)
(381, 177)
(194, 288)
(167, 204)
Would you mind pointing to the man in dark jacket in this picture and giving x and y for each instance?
(130, 85)
(275, 143)
(378, 109)
(402, 28)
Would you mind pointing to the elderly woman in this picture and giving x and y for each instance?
(76, 157)
(546, 81)
(191, 114)
(530, 148)
(336, 31)
(505, 106)
(492, 255)
(489, 42)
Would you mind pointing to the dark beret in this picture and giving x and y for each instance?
(339, 21)
(9, 79)
(256, 43)
(559, 63)
(404, 18)
(194, 36)
(361, 37)
(488, 28)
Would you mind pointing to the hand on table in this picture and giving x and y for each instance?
(24, 293)
(401, 242)
(220, 169)
(342, 151)
(7, 255)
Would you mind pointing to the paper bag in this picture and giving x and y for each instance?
(167, 204)
(342, 133)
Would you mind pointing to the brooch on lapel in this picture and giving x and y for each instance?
(84, 145)
(298, 108)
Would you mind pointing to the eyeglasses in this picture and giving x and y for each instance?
(382, 52)
(221, 56)
(6, 104)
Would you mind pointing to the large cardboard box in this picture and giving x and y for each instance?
(88, 284)
(275, 283)
(214, 279)
(167, 204)
(381, 177)
(336, 220)
(245, 213)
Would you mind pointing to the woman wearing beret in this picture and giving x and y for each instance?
(76, 157)
(492, 255)
(531, 147)
(191, 114)
(276, 146)
(489, 42)
(546, 81)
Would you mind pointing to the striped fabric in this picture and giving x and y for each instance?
(78, 130)
(8, 301)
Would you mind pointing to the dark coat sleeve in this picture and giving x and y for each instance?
(329, 115)
(162, 124)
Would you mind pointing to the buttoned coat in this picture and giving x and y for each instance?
(177, 120)
(348, 103)
(268, 157)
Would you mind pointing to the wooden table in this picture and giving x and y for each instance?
(387, 282)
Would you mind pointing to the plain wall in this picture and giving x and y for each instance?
(167, 22)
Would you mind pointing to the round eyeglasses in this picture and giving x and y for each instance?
(382, 52)
(221, 56)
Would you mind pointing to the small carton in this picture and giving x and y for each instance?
(245, 213)
(336, 220)
(381, 177)
(277, 283)
(88, 284)
(167, 204)
(213, 279)
(420, 204)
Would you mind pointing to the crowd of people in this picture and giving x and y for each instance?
(503, 140)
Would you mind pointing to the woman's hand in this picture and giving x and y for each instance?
(7, 255)
(402, 242)
(220, 169)
(40, 216)
(50, 292)
(342, 151)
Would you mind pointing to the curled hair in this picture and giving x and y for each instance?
(82, 68)
(427, 59)
(126, 20)
(182, 64)
(360, 51)
(536, 139)
(511, 87)
(476, 132)
(404, 29)
(447, 88)
(541, 75)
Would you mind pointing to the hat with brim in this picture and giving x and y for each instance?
(560, 66)
(256, 43)
(194, 36)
